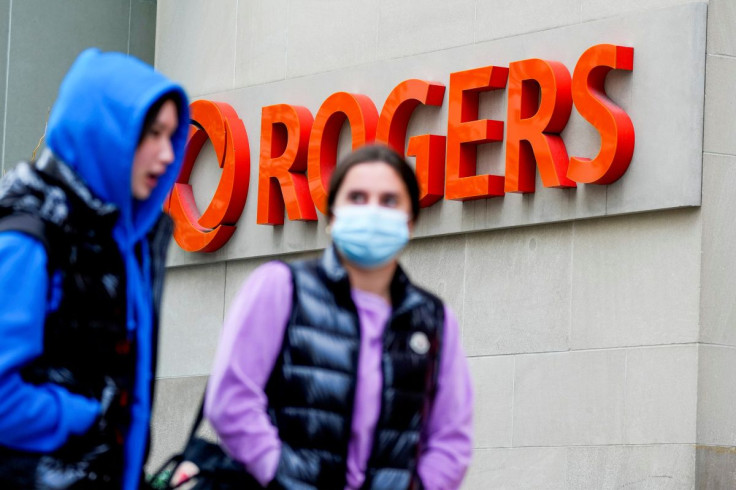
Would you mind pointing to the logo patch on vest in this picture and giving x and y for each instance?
(419, 343)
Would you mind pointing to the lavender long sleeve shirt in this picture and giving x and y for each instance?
(249, 347)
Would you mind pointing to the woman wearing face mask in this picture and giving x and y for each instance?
(339, 372)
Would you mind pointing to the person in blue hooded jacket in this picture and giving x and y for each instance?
(82, 249)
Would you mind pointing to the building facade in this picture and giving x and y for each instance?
(598, 320)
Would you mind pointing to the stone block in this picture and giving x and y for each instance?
(571, 398)
(721, 20)
(326, 35)
(517, 290)
(415, 26)
(262, 35)
(716, 396)
(175, 406)
(720, 106)
(664, 466)
(496, 19)
(438, 265)
(716, 467)
(661, 395)
(635, 280)
(718, 288)
(204, 62)
(38, 61)
(192, 317)
(517, 469)
(493, 383)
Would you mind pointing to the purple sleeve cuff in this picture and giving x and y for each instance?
(264, 469)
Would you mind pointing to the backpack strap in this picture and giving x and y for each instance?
(28, 224)
(34, 227)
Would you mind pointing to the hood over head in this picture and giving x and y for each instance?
(95, 126)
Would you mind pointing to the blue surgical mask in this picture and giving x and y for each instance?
(369, 236)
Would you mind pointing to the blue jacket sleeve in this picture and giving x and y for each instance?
(32, 418)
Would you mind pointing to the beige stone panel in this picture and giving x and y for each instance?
(661, 394)
(192, 316)
(493, 385)
(635, 280)
(262, 34)
(419, 26)
(596, 9)
(497, 18)
(718, 290)
(437, 264)
(720, 105)
(716, 467)
(203, 62)
(517, 469)
(571, 398)
(717, 396)
(656, 467)
(721, 32)
(327, 35)
(517, 290)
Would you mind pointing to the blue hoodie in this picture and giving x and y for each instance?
(94, 128)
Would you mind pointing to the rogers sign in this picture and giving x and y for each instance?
(298, 151)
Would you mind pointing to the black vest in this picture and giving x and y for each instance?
(86, 343)
(312, 387)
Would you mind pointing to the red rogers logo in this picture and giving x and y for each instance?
(298, 152)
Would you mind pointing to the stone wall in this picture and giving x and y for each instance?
(601, 349)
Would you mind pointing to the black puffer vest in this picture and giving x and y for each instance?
(86, 343)
(312, 387)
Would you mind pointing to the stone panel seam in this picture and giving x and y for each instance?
(7, 81)
(599, 349)
(576, 446)
(725, 56)
(726, 449)
(725, 346)
(130, 23)
(718, 154)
